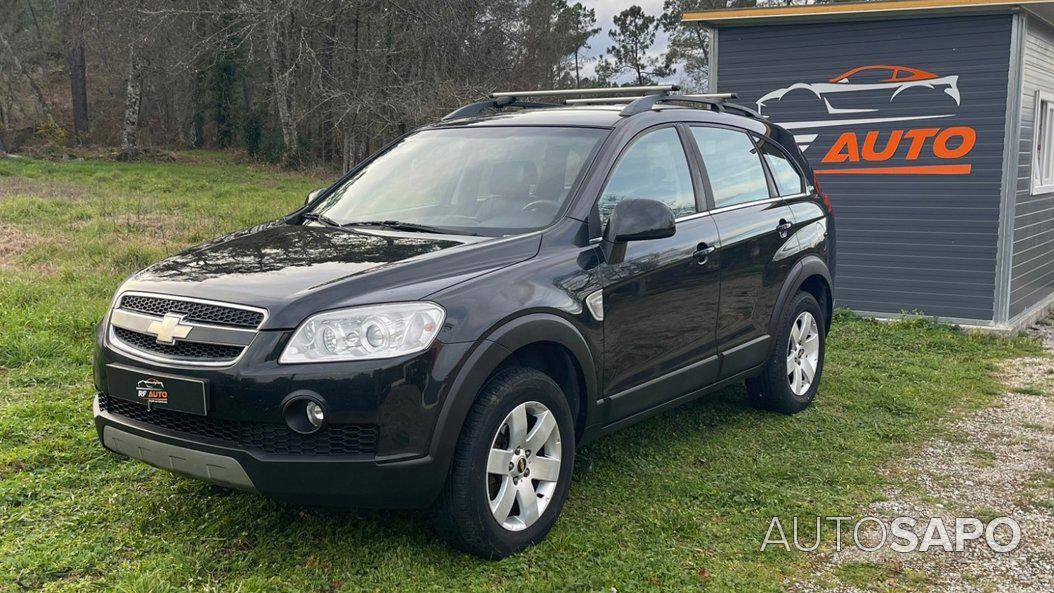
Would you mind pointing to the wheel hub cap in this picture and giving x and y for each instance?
(523, 466)
(803, 353)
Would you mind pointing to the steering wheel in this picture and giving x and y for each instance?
(539, 205)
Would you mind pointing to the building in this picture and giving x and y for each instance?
(931, 125)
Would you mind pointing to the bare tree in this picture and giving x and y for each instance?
(38, 93)
(71, 26)
(287, 80)
(133, 102)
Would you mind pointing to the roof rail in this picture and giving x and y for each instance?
(473, 109)
(715, 102)
(654, 95)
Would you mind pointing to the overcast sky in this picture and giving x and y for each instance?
(606, 11)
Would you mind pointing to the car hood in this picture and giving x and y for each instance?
(294, 271)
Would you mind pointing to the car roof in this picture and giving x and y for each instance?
(599, 116)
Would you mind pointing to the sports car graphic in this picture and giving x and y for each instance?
(150, 384)
(865, 89)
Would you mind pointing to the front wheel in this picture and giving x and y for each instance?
(512, 466)
(791, 376)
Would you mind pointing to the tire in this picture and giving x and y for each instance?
(784, 385)
(463, 514)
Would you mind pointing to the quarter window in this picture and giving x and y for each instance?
(733, 166)
(788, 181)
(655, 168)
(1043, 145)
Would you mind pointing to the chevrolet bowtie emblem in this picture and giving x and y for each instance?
(169, 328)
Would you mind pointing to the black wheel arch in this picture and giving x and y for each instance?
(498, 348)
(810, 273)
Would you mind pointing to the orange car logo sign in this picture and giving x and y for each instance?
(152, 391)
(875, 152)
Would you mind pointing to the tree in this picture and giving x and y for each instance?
(689, 45)
(71, 25)
(132, 102)
(634, 35)
(295, 79)
(582, 22)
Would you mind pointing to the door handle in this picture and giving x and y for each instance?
(784, 228)
(703, 251)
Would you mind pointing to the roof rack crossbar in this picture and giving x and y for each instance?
(603, 100)
(660, 88)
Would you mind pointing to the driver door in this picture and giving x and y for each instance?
(661, 301)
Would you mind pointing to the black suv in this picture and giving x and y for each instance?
(445, 325)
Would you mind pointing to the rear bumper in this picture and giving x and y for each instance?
(314, 480)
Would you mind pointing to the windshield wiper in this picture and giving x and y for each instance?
(320, 218)
(398, 225)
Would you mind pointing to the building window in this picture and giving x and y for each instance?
(1043, 144)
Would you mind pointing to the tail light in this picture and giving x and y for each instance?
(823, 195)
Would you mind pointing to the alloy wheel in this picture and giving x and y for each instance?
(803, 353)
(523, 466)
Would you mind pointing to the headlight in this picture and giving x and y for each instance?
(365, 333)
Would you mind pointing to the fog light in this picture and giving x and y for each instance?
(315, 415)
(305, 411)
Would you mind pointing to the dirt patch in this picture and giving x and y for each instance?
(13, 243)
(12, 186)
(996, 462)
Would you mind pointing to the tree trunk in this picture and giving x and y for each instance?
(133, 99)
(280, 82)
(37, 92)
(578, 77)
(73, 43)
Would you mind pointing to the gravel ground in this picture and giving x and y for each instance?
(996, 462)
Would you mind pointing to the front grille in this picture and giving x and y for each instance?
(193, 311)
(189, 351)
(337, 439)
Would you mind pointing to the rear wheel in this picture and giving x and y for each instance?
(512, 466)
(791, 376)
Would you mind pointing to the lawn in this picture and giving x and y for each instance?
(679, 502)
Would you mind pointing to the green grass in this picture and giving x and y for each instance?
(679, 502)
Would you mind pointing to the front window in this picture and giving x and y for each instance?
(655, 168)
(487, 180)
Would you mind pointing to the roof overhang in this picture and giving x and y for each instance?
(849, 11)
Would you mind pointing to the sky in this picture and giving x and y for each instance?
(606, 11)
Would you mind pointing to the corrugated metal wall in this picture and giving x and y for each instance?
(1032, 267)
(906, 241)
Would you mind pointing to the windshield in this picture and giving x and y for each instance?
(491, 181)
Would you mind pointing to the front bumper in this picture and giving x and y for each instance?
(314, 480)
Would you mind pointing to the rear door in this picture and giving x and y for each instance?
(661, 302)
(757, 243)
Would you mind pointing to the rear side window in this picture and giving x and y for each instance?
(733, 166)
(655, 168)
(788, 181)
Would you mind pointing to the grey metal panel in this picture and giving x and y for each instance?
(191, 462)
(906, 242)
(1032, 269)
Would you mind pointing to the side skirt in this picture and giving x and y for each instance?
(644, 414)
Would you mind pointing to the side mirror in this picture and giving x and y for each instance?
(314, 194)
(636, 220)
